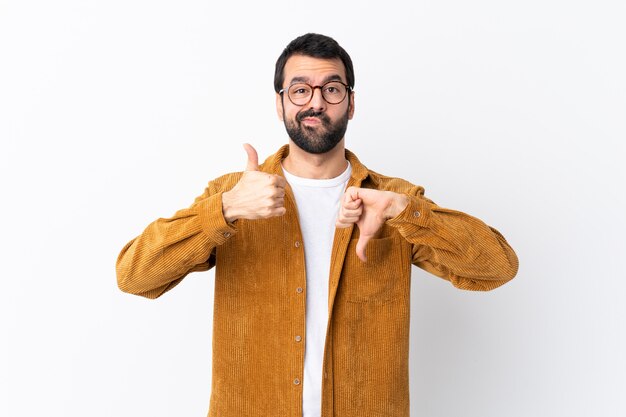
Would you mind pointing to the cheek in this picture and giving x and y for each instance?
(286, 111)
(341, 113)
(291, 113)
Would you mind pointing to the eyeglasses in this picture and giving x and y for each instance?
(333, 92)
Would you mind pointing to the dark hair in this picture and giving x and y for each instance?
(316, 46)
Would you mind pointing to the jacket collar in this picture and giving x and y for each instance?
(273, 164)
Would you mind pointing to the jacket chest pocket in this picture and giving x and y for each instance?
(382, 278)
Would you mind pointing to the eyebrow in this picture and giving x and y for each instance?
(332, 77)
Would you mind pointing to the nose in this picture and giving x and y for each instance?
(317, 100)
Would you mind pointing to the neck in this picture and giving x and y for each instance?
(318, 166)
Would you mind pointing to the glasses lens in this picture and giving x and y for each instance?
(300, 94)
(334, 92)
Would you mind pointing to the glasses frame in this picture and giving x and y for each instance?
(313, 87)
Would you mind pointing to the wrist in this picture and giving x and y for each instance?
(227, 208)
(397, 205)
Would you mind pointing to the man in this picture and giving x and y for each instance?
(311, 313)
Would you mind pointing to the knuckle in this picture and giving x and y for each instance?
(274, 179)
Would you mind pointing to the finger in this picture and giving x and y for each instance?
(346, 219)
(360, 247)
(253, 158)
(352, 214)
(281, 181)
(352, 205)
(343, 223)
(279, 202)
(279, 211)
(271, 211)
(278, 192)
(352, 193)
(278, 181)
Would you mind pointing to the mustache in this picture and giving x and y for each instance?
(312, 113)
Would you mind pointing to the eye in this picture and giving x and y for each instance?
(334, 89)
(299, 90)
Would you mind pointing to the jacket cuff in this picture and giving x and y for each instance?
(415, 216)
(212, 219)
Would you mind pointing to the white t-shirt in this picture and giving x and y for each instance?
(318, 206)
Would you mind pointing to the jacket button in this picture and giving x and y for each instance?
(298, 338)
(417, 213)
(297, 244)
(299, 290)
(296, 381)
(226, 234)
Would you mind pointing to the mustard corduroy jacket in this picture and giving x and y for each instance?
(260, 294)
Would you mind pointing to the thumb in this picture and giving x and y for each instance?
(360, 247)
(253, 158)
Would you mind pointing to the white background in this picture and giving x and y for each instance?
(114, 113)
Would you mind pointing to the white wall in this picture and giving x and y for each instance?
(114, 113)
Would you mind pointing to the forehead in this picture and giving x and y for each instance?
(313, 70)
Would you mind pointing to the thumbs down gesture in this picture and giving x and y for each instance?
(368, 209)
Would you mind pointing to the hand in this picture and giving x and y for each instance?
(369, 209)
(257, 195)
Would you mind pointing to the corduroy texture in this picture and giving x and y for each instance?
(260, 294)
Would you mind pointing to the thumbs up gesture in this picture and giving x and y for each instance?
(257, 195)
(369, 209)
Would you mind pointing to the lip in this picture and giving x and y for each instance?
(311, 120)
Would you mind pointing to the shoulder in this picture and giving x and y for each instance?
(382, 182)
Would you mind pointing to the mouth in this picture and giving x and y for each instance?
(311, 121)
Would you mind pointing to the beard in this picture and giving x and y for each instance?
(316, 140)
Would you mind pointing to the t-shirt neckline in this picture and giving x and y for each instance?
(314, 182)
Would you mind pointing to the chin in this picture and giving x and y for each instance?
(311, 146)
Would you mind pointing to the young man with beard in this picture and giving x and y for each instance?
(313, 254)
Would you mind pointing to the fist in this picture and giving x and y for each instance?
(257, 195)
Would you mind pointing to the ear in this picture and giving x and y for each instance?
(279, 106)
(351, 105)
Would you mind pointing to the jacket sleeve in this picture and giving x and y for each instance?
(169, 248)
(455, 246)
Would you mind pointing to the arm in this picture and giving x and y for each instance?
(447, 243)
(454, 245)
(168, 249)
